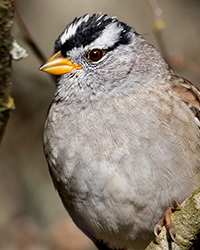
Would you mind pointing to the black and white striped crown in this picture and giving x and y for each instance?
(83, 31)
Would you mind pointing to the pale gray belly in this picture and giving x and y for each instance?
(117, 176)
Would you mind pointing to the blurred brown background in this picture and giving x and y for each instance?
(31, 213)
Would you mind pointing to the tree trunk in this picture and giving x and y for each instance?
(6, 22)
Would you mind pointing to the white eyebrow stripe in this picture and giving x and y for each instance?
(71, 31)
(108, 37)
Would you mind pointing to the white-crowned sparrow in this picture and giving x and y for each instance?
(122, 136)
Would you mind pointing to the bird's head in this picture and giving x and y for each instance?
(95, 53)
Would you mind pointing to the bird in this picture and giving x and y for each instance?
(122, 137)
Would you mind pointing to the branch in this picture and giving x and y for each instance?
(187, 226)
(159, 26)
(6, 102)
(27, 34)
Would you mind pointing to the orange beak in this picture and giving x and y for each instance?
(58, 65)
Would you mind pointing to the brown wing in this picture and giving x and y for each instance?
(189, 94)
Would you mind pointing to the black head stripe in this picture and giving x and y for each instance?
(90, 30)
(86, 32)
(124, 37)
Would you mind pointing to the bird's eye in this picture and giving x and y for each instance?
(95, 55)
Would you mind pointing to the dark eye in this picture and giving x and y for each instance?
(95, 55)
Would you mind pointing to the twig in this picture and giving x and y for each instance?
(27, 36)
(159, 26)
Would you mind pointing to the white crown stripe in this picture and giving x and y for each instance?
(97, 30)
(107, 38)
(71, 31)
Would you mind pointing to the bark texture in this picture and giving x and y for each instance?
(6, 21)
(187, 226)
